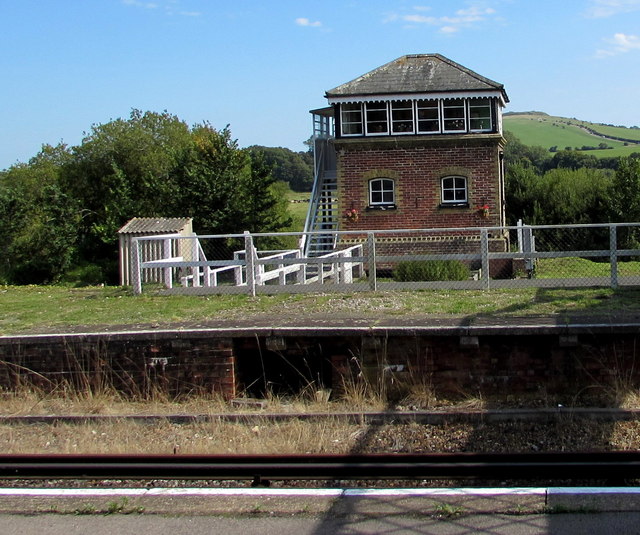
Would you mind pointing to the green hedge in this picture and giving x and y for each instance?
(431, 270)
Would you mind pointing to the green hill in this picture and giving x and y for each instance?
(537, 128)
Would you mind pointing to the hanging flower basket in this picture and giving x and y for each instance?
(352, 215)
(483, 211)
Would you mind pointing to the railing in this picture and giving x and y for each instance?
(603, 255)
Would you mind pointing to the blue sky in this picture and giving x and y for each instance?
(261, 65)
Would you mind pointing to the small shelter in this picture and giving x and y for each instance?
(154, 249)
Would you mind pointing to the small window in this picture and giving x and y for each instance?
(377, 118)
(480, 115)
(454, 190)
(453, 115)
(428, 116)
(402, 117)
(351, 119)
(382, 192)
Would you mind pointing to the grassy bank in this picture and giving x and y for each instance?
(56, 308)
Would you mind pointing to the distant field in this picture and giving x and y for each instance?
(548, 131)
(298, 208)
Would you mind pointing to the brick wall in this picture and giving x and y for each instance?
(546, 362)
(417, 166)
(136, 365)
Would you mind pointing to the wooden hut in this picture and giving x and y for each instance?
(153, 249)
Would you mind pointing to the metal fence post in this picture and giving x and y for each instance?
(250, 259)
(484, 252)
(613, 255)
(136, 276)
(371, 260)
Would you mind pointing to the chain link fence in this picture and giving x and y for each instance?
(606, 255)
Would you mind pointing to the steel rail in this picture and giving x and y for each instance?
(609, 466)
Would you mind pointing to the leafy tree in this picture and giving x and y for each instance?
(38, 221)
(517, 153)
(121, 170)
(294, 168)
(625, 200)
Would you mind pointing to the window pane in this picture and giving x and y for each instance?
(377, 120)
(351, 119)
(454, 189)
(428, 116)
(381, 191)
(402, 116)
(453, 114)
(480, 114)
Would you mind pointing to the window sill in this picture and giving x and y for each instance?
(454, 205)
(381, 207)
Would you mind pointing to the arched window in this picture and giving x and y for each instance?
(382, 192)
(454, 190)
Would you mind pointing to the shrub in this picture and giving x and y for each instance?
(431, 270)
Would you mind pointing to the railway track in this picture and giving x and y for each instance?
(609, 467)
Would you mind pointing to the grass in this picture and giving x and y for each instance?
(547, 268)
(26, 309)
(548, 131)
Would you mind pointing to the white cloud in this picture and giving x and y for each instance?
(302, 21)
(475, 13)
(607, 8)
(620, 44)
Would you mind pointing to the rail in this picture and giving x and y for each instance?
(610, 467)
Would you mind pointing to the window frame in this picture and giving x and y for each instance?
(382, 181)
(474, 104)
(436, 120)
(449, 105)
(381, 107)
(407, 106)
(351, 108)
(454, 188)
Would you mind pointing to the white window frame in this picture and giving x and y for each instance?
(376, 107)
(397, 108)
(478, 103)
(455, 187)
(387, 186)
(435, 105)
(450, 105)
(351, 108)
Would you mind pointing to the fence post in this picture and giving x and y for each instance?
(168, 271)
(250, 258)
(301, 274)
(484, 252)
(136, 276)
(613, 255)
(371, 260)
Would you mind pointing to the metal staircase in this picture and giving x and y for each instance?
(322, 217)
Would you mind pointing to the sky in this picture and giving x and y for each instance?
(259, 66)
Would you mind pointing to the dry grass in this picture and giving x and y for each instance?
(122, 436)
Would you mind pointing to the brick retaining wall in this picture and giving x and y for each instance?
(551, 361)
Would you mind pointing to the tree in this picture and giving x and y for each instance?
(294, 168)
(38, 221)
(122, 169)
(625, 200)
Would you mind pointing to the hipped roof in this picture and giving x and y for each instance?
(417, 73)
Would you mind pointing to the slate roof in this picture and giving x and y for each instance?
(154, 225)
(417, 73)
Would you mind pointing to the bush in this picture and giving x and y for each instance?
(431, 270)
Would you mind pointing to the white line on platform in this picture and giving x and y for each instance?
(337, 492)
(364, 493)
